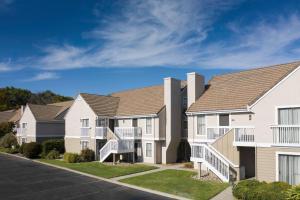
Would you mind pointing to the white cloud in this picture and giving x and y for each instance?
(4, 67)
(44, 76)
(148, 33)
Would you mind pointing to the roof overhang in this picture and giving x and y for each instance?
(135, 116)
(219, 111)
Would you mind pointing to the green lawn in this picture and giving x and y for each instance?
(178, 182)
(102, 170)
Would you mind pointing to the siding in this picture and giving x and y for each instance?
(266, 162)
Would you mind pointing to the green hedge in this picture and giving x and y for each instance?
(253, 190)
(8, 141)
(293, 193)
(53, 154)
(87, 155)
(71, 157)
(32, 150)
(53, 144)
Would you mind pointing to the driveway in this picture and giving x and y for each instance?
(24, 179)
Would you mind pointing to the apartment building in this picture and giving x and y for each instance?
(247, 124)
(139, 125)
(42, 122)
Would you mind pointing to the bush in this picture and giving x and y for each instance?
(53, 144)
(21, 148)
(53, 154)
(32, 150)
(6, 127)
(293, 193)
(87, 155)
(8, 141)
(71, 157)
(253, 189)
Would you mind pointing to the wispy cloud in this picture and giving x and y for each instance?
(43, 76)
(5, 3)
(148, 33)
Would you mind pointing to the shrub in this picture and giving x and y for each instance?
(87, 155)
(6, 127)
(21, 148)
(8, 141)
(293, 193)
(32, 150)
(53, 144)
(53, 154)
(71, 157)
(253, 189)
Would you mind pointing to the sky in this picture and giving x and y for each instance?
(106, 46)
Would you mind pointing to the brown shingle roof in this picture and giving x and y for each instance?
(6, 116)
(237, 90)
(102, 105)
(65, 105)
(143, 101)
(44, 112)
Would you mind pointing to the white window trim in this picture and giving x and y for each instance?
(228, 119)
(146, 132)
(277, 157)
(151, 149)
(281, 107)
(84, 119)
(205, 121)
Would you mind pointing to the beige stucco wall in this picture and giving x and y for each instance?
(241, 119)
(28, 118)
(266, 162)
(286, 94)
(72, 145)
(80, 109)
(125, 122)
(225, 147)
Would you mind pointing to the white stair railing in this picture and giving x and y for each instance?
(116, 146)
(212, 160)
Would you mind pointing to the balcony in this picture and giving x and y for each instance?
(129, 132)
(286, 135)
(101, 132)
(244, 136)
(85, 132)
(213, 133)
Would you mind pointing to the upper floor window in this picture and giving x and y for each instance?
(101, 122)
(84, 122)
(224, 120)
(24, 125)
(148, 125)
(289, 116)
(201, 125)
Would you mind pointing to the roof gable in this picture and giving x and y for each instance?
(238, 90)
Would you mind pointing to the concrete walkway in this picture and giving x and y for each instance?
(225, 195)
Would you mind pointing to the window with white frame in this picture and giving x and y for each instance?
(148, 125)
(84, 145)
(24, 125)
(148, 149)
(201, 126)
(289, 168)
(224, 120)
(84, 122)
(289, 116)
(101, 122)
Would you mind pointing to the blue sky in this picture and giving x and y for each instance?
(106, 46)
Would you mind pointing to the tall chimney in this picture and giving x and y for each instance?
(195, 87)
(172, 100)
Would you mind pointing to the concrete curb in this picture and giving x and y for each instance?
(104, 179)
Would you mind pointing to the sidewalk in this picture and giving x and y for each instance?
(225, 195)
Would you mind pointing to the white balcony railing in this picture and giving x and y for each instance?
(101, 132)
(244, 135)
(116, 146)
(85, 132)
(286, 134)
(213, 133)
(129, 132)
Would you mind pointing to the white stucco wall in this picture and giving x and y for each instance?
(28, 118)
(285, 94)
(79, 110)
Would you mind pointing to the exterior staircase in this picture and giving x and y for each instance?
(115, 145)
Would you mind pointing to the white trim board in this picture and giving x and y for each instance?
(276, 160)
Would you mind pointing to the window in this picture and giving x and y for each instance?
(148, 149)
(116, 123)
(134, 123)
(84, 122)
(84, 145)
(289, 169)
(148, 125)
(24, 125)
(289, 116)
(101, 122)
(224, 120)
(201, 125)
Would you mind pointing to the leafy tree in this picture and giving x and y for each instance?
(6, 127)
